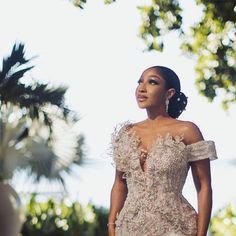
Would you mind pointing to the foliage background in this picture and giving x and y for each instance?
(62, 217)
(111, 63)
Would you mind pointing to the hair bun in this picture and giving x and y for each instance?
(177, 104)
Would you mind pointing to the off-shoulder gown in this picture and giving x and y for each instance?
(155, 205)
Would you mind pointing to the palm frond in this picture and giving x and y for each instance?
(36, 126)
(23, 133)
(80, 152)
(41, 159)
(16, 59)
(33, 96)
(10, 84)
(43, 94)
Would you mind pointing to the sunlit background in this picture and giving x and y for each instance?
(96, 53)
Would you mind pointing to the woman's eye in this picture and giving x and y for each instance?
(153, 81)
(140, 81)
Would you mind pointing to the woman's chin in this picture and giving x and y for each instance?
(142, 106)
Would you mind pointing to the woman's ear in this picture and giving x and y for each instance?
(170, 93)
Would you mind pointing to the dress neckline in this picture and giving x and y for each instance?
(159, 138)
(166, 139)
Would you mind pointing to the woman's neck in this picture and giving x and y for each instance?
(156, 116)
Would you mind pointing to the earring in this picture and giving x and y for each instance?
(167, 105)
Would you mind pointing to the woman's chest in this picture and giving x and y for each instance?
(161, 158)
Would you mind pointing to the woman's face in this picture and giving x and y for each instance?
(151, 91)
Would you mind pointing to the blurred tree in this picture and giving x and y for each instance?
(211, 41)
(63, 218)
(36, 127)
(224, 221)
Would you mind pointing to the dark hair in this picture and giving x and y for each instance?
(178, 102)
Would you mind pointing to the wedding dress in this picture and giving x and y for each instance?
(155, 205)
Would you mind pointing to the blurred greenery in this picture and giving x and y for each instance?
(79, 3)
(36, 126)
(211, 41)
(223, 223)
(63, 218)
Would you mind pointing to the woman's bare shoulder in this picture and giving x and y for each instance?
(190, 130)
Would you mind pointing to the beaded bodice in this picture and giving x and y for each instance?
(155, 199)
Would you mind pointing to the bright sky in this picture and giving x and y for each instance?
(96, 52)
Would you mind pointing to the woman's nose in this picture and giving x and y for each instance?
(142, 88)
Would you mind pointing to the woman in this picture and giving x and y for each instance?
(152, 159)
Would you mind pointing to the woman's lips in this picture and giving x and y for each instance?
(141, 98)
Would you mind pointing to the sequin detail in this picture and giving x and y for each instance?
(155, 205)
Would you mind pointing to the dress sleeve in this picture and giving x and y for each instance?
(119, 147)
(202, 150)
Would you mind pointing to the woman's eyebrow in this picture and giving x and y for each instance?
(156, 76)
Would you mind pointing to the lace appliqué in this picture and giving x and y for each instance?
(155, 204)
(202, 150)
(122, 147)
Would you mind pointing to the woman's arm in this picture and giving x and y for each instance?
(118, 196)
(202, 180)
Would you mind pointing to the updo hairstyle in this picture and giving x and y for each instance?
(178, 102)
